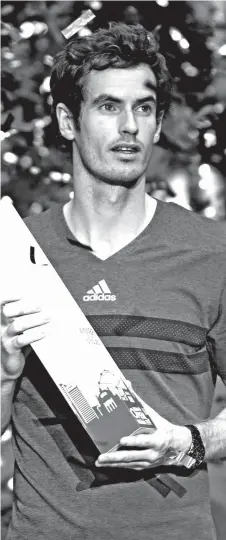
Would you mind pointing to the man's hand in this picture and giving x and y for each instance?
(22, 324)
(146, 449)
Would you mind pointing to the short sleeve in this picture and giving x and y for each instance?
(216, 339)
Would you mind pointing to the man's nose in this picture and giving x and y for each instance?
(128, 123)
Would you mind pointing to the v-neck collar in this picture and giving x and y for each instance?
(65, 234)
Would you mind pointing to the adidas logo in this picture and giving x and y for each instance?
(99, 292)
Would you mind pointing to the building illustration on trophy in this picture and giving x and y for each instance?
(105, 420)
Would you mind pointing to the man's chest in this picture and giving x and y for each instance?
(148, 287)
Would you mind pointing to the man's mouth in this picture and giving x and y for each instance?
(126, 148)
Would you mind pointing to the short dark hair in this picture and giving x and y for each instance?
(119, 46)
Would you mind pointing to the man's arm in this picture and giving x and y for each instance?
(152, 449)
(213, 433)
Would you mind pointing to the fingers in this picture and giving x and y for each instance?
(124, 456)
(131, 459)
(135, 465)
(28, 337)
(13, 298)
(25, 322)
(139, 441)
(20, 307)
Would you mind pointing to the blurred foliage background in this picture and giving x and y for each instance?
(188, 165)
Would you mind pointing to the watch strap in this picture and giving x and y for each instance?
(197, 449)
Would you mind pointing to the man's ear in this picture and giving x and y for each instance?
(158, 128)
(65, 122)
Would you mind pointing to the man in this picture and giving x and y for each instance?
(163, 319)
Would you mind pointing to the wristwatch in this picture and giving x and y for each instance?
(197, 449)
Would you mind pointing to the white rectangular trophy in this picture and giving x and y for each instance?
(72, 353)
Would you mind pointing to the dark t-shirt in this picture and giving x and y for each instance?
(159, 306)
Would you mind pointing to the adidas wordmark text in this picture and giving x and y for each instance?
(99, 292)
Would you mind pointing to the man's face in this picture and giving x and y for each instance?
(118, 124)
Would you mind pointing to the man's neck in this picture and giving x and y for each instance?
(107, 218)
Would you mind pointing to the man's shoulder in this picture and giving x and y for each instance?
(37, 221)
(195, 229)
(44, 226)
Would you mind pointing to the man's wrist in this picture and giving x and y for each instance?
(185, 450)
(181, 439)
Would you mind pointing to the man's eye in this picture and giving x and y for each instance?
(109, 107)
(145, 108)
